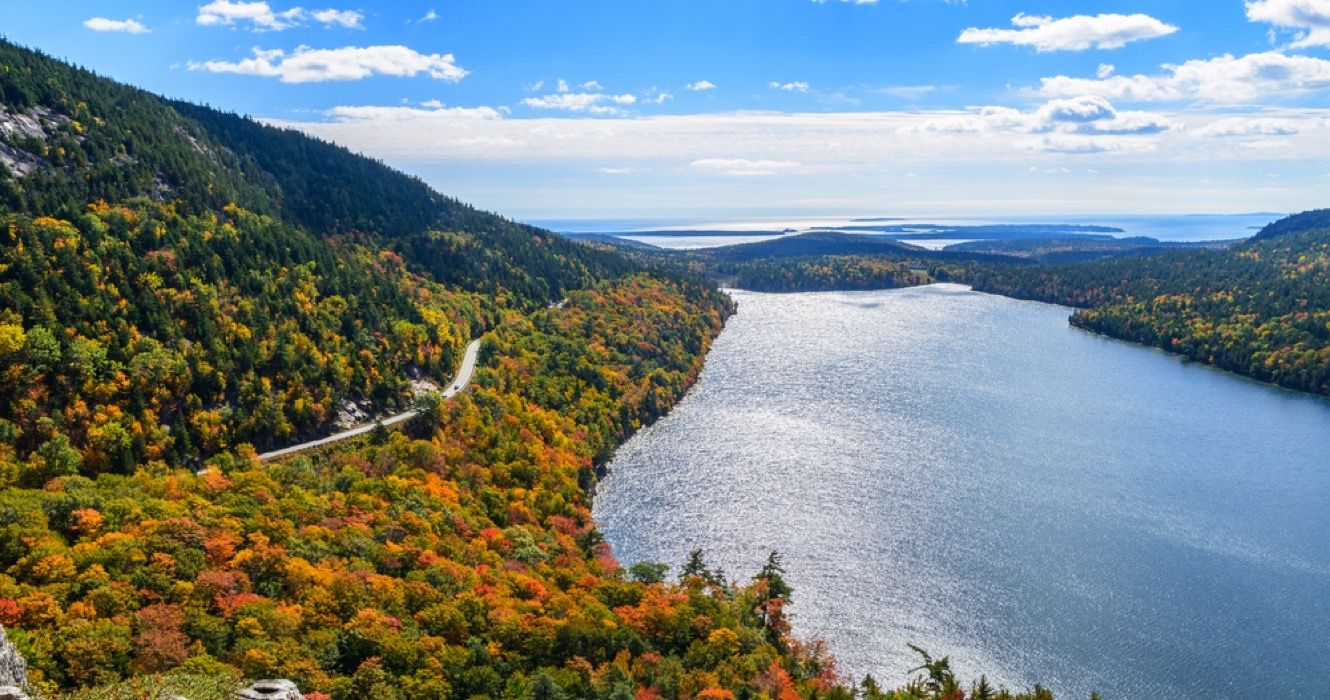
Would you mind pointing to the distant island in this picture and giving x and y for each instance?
(680, 233)
(927, 232)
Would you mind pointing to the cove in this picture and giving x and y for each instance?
(968, 473)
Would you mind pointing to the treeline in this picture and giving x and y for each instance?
(1261, 308)
(819, 274)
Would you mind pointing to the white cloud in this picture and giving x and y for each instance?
(700, 86)
(1309, 18)
(909, 92)
(743, 167)
(1081, 121)
(616, 171)
(592, 85)
(369, 113)
(350, 19)
(1082, 110)
(859, 2)
(1078, 33)
(1222, 80)
(1073, 144)
(1251, 126)
(128, 26)
(260, 16)
(592, 102)
(429, 16)
(1105, 70)
(432, 104)
(796, 86)
(307, 65)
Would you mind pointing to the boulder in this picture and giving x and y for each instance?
(11, 692)
(13, 667)
(274, 689)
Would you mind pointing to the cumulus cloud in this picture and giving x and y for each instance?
(1310, 19)
(260, 16)
(308, 65)
(1084, 118)
(795, 86)
(350, 19)
(128, 26)
(1078, 33)
(700, 86)
(743, 167)
(591, 102)
(1224, 80)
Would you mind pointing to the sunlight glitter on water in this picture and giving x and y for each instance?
(968, 473)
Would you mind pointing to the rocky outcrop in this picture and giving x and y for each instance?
(13, 667)
(276, 689)
(27, 126)
(11, 692)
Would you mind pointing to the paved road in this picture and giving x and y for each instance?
(459, 383)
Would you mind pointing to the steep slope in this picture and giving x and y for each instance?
(242, 284)
(325, 188)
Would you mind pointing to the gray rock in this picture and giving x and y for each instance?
(9, 692)
(275, 689)
(13, 667)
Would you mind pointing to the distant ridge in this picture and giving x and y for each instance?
(1297, 223)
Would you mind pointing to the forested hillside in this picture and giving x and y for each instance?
(1261, 308)
(176, 280)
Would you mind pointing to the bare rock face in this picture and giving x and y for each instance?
(276, 689)
(13, 667)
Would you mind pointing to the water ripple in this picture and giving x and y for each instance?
(969, 473)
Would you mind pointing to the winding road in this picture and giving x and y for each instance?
(459, 383)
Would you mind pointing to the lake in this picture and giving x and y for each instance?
(969, 473)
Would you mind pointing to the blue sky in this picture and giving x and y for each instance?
(747, 108)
